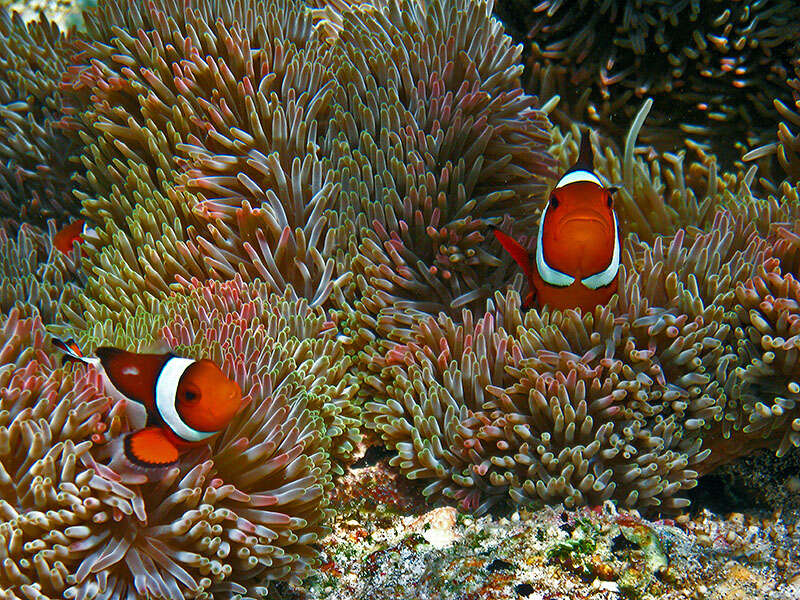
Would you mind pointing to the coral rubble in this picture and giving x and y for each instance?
(601, 553)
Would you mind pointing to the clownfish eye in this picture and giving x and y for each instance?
(553, 202)
(190, 396)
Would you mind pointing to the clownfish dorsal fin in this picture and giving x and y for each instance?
(585, 160)
(583, 169)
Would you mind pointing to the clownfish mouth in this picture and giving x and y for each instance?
(585, 230)
(586, 218)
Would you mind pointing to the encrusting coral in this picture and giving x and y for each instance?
(220, 523)
(713, 68)
(37, 159)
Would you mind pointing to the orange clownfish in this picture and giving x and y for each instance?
(67, 235)
(578, 245)
(187, 401)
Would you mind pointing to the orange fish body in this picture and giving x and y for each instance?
(187, 401)
(66, 236)
(577, 258)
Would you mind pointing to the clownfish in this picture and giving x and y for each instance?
(578, 244)
(187, 401)
(64, 238)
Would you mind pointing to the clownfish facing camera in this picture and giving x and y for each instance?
(187, 401)
(578, 244)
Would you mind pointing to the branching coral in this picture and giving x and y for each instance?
(36, 158)
(434, 138)
(220, 523)
(712, 67)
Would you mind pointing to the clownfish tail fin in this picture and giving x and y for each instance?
(70, 349)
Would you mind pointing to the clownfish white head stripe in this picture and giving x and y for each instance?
(607, 275)
(576, 176)
(166, 394)
(548, 274)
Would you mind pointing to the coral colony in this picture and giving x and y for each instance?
(304, 193)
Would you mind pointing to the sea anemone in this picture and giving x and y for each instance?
(36, 159)
(36, 277)
(275, 344)
(226, 520)
(265, 338)
(690, 366)
(435, 138)
(787, 147)
(768, 399)
(658, 192)
(206, 167)
(713, 68)
(557, 407)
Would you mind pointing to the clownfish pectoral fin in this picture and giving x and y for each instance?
(150, 448)
(71, 350)
(515, 249)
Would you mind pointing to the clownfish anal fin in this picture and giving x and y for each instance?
(515, 249)
(530, 300)
(150, 448)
